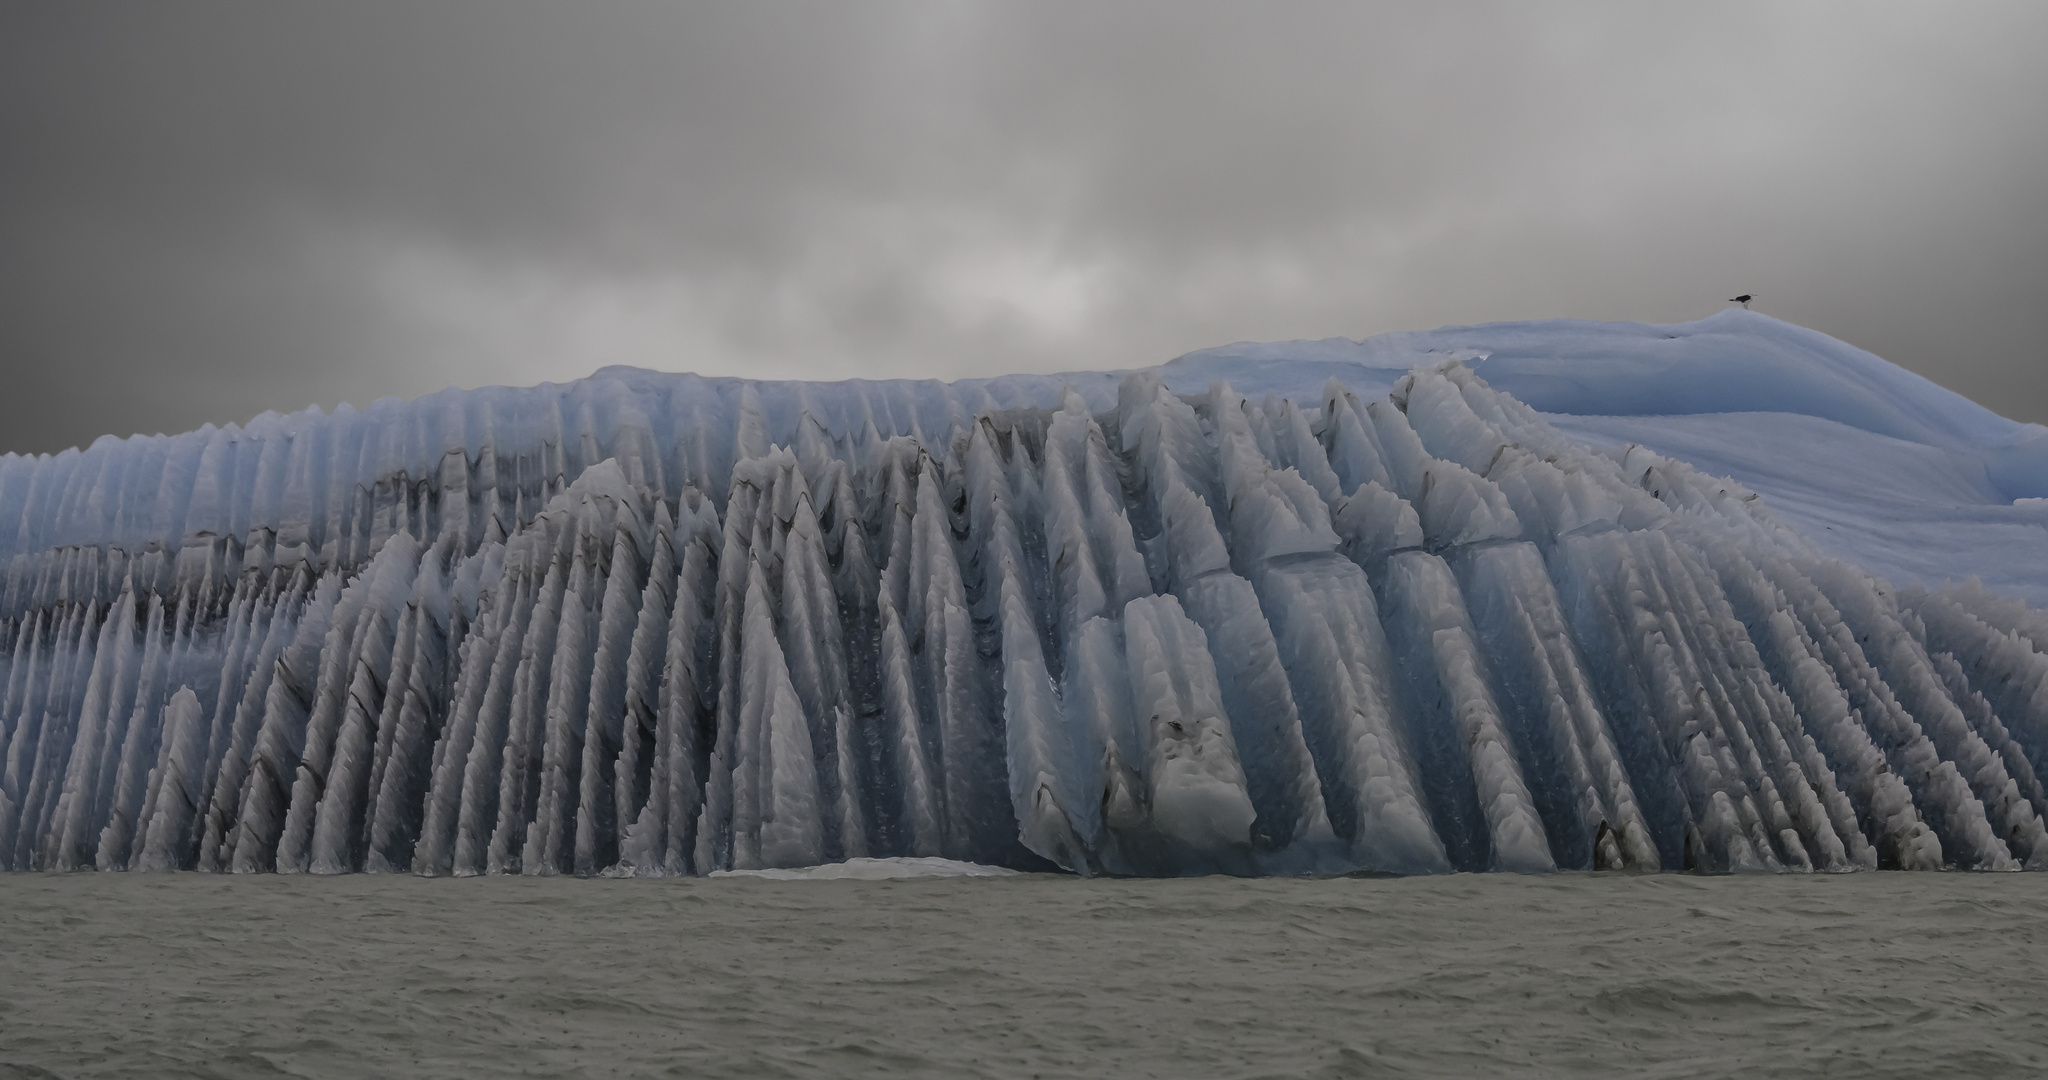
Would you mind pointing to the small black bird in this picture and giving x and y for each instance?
(1744, 299)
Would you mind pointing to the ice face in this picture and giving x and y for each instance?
(1124, 624)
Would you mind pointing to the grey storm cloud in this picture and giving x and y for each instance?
(208, 210)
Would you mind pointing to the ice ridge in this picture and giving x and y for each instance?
(649, 624)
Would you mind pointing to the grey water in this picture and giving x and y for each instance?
(1864, 975)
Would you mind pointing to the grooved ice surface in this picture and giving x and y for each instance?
(1143, 623)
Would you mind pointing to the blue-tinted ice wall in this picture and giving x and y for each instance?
(659, 624)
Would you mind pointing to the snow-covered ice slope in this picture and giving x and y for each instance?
(1877, 465)
(1308, 607)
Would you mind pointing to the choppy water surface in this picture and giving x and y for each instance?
(1855, 975)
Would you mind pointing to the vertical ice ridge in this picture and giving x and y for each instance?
(687, 713)
(777, 818)
(1892, 829)
(467, 759)
(1921, 838)
(472, 654)
(1989, 643)
(1444, 665)
(54, 733)
(590, 843)
(638, 716)
(354, 663)
(941, 634)
(268, 607)
(1038, 749)
(1196, 806)
(1957, 772)
(813, 640)
(175, 782)
(80, 803)
(1275, 517)
(1350, 441)
(1516, 611)
(414, 709)
(250, 844)
(132, 800)
(492, 832)
(530, 810)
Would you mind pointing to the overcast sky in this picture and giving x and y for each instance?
(208, 210)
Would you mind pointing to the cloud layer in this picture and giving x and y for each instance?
(211, 211)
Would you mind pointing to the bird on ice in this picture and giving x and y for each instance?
(1744, 299)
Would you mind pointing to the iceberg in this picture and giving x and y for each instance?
(1486, 598)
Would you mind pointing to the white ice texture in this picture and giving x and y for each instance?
(1380, 616)
(894, 868)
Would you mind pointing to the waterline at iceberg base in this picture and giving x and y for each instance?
(660, 624)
